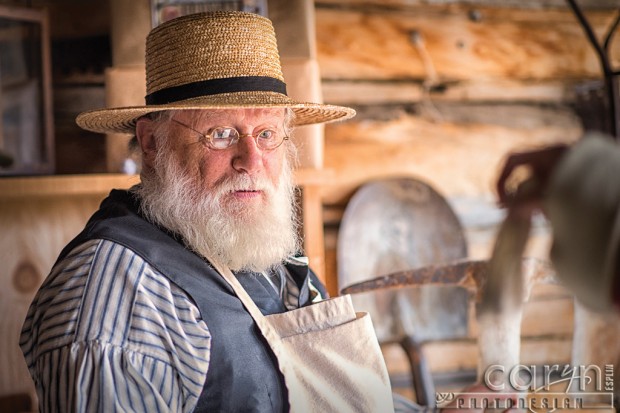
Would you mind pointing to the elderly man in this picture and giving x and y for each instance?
(176, 295)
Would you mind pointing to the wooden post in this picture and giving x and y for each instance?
(314, 244)
(125, 81)
(293, 21)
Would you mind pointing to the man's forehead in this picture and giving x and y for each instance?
(239, 114)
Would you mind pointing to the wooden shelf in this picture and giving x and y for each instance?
(101, 184)
(63, 185)
(313, 177)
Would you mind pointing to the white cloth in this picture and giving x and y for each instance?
(583, 207)
(328, 354)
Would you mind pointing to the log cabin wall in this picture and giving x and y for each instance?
(444, 90)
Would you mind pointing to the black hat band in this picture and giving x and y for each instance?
(216, 87)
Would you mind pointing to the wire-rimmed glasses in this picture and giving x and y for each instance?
(222, 137)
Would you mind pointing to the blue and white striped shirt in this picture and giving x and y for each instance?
(107, 332)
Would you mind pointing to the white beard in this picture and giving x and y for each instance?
(251, 239)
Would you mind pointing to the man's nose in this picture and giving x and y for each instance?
(248, 157)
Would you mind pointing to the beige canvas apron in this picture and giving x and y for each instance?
(328, 354)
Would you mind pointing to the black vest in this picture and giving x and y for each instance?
(243, 373)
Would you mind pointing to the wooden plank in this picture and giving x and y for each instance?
(313, 229)
(65, 185)
(310, 176)
(459, 158)
(451, 355)
(294, 16)
(549, 291)
(124, 86)
(303, 83)
(47, 99)
(357, 44)
(344, 92)
(525, 4)
(33, 233)
(454, 355)
(100, 184)
(331, 271)
(548, 317)
(22, 13)
(131, 23)
(546, 350)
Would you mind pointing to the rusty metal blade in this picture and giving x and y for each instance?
(468, 274)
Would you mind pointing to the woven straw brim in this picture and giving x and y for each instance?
(123, 120)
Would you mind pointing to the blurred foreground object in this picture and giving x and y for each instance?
(577, 188)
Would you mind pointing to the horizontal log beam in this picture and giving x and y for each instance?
(459, 154)
(446, 356)
(522, 4)
(349, 92)
(443, 44)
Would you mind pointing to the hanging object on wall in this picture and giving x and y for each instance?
(164, 10)
(610, 74)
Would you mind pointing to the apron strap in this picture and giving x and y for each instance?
(336, 366)
(270, 334)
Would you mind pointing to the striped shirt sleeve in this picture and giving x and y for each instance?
(107, 332)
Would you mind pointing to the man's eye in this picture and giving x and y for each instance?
(267, 134)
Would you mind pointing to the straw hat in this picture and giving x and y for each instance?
(216, 60)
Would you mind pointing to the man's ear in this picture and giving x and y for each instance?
(146, 140)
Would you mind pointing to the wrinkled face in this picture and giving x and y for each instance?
(211, 167)
(234, 203)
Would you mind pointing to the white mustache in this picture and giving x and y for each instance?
(243, 183)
